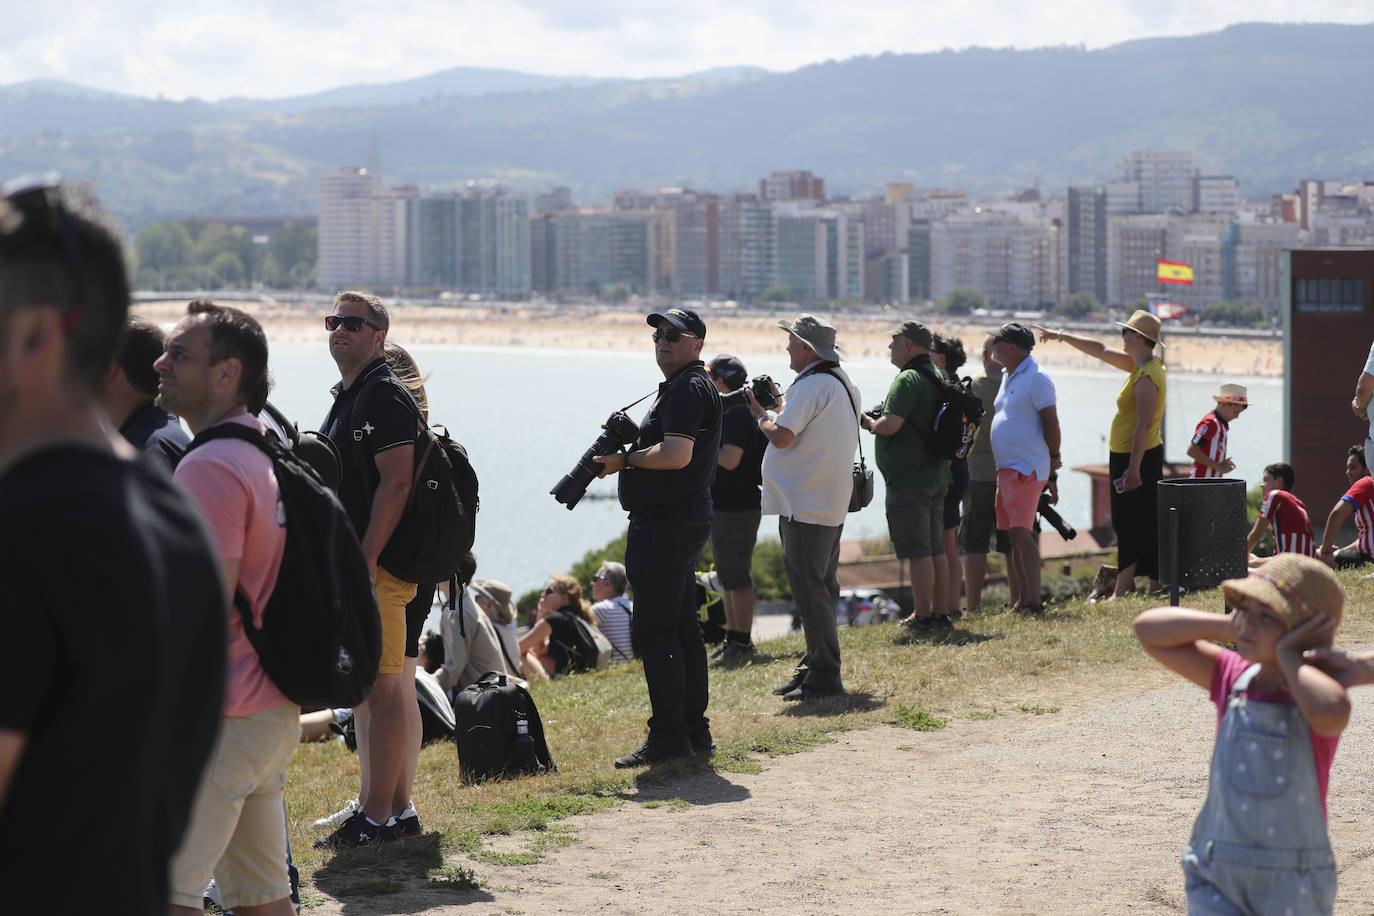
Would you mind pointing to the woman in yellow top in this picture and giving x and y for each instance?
(1135, 445)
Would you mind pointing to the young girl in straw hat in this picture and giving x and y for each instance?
(1259, 844)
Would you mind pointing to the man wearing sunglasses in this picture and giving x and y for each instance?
(114, 611)
(376, 452)
(665, 485)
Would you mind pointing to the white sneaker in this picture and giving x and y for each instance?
(338, 817)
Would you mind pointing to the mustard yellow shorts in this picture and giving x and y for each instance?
(392, 597)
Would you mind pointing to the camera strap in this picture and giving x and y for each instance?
(633, 403)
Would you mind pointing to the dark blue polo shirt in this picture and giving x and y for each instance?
(156, 433)
(738, 489)
(687, 405)
(386, 421)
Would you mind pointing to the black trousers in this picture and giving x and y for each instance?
(660, 559)
(1135, 515)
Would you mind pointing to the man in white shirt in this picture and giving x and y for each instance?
(1025, 445)
(807, 482)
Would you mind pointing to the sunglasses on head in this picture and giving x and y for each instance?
(549, 590)
(600, 577)
(672, 335)
(352, 323)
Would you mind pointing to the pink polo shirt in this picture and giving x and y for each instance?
(233, 485)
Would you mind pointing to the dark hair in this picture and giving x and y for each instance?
(1358, 452)
(234, 334)
(59, 249)
(375, 310)
(953, 350)
(139, 347)
(1283, 472)
(433, 645)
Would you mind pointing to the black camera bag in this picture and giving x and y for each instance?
(439, 523)
(488, 714)
(321, 635)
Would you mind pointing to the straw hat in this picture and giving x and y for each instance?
(498, 593)
(1232, 393)
(1143, 323)
(816, 334)
(1293, 586)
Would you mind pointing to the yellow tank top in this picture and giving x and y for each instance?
(1123, 424)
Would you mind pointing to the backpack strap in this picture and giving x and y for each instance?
(852, 406)
(359, 459)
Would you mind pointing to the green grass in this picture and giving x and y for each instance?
(989, 662)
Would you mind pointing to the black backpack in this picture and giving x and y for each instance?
(440, 520)
(576, 645)
(958, 414)
(498, 730)
(321, 636)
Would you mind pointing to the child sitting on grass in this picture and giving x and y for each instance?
(1259, 844)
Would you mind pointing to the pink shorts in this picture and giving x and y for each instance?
(1017, 496)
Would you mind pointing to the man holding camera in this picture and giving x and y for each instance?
(1025, 445)
(807, 483)
(665, 485)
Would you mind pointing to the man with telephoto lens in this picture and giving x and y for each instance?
(665, 485)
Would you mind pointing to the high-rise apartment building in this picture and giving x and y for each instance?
(1165, 179)
(1085, 243)
(591, 250)
(345, 226)
(1135, 245)
(798, 185)
(820, 253)
(748, 246)
(1213, 193)
(1255, 254)
(1011, 262)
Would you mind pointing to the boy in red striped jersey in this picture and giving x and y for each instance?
(1287, 513)
(1359, 501)
(1208, 445)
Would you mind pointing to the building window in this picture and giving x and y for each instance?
(1329, 294)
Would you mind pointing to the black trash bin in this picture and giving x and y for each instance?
(1202, 531)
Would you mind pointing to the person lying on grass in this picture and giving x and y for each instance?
(1260, 844)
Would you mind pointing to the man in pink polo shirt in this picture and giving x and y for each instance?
(214, 371)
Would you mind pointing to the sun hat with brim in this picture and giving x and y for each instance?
(1144, 324)
(1293, 586)
(1232, 393)
(498, 593)
(815, 333)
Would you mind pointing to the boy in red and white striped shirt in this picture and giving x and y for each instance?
(1357, 501)
(1287, 513)
(1208, 445)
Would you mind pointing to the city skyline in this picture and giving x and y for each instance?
(256, 49)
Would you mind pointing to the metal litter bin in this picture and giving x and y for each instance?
(1202, 532)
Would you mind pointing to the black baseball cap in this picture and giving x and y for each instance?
(1016, 334)
(682, 319)
(729, 370)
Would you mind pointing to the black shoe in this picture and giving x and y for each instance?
(356, 831)
(1031, 610)
(736, 652)
(719, 651)
(403, 827)
(702, 743)
(941, 621)
(652, 752)
(791, 685)
(914, 624)
(807, 693)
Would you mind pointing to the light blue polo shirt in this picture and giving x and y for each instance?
(1018, 436)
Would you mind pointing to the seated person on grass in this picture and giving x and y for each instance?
(1287, 513)
(1359, 501)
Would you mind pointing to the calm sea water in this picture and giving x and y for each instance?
(526, 415)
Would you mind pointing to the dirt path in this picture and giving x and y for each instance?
(1080, 811)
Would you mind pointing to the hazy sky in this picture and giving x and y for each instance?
(267, 48)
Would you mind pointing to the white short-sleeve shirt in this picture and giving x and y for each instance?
(810, 481)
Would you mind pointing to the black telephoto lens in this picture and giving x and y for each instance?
(620, 431)
(1048, 513)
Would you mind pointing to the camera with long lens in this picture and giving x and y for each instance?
(620, 432)
(1056, 521)
(762, 386)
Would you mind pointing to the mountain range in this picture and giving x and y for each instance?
(1268, 104)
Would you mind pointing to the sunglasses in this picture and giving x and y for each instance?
(672, 335)
(352, 323)
(548, 591)
(600, 577)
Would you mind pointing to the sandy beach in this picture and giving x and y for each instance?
(622, 328)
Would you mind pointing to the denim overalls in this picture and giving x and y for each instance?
(1259, 845)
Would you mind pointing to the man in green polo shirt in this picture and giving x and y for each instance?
(916, 480)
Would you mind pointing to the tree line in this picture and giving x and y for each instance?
(195, 254)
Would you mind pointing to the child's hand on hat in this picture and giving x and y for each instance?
(1313, 633)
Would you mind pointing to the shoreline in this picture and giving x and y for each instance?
(621, 329)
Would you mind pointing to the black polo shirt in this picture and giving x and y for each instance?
(156, 433)
(738, 489)
(386, 421)
(687, 405)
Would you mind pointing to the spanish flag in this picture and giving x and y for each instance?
(1175, 272)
